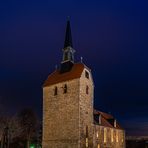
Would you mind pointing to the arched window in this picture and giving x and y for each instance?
(55, 91)
(105, 135)
(97, 134)
(117, 136)
(86, 136)
(87, 89)
(65, 89)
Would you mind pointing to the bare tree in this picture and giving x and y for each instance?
(29, 123)
(4, 136)
(15, 129)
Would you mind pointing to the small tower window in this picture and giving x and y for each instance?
(87, 89)
(86, 74)
(65, 89)
(66, 56)
(55, 91)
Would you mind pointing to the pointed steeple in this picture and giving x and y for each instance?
(68, 51)
(68, 36)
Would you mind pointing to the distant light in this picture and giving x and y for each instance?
(32, 146)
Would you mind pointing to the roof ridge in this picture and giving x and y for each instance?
(57, 77)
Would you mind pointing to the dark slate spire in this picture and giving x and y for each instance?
(68, 37)
(68, 51)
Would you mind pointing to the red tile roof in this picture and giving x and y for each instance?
(104, 122)
(57, 77)
(105, 119)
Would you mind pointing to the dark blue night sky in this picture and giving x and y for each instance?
(111, 36)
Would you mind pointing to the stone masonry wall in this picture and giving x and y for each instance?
(86, 110)
(61, 116)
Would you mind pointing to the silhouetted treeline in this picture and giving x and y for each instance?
(20, 130)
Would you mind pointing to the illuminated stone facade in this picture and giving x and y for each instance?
(106, 137)
(69, 119)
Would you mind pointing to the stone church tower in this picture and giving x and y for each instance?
(68, 103)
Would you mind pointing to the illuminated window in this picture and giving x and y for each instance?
(105, 134)
(55, 91)
(86, 136)
(65, 89)
(112, 135)
(86, 74)
(117, 136)
(87, 89)
(122, 137)
(86, 142)
(98, 146)
(97, 134)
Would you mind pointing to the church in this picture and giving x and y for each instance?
(69, 117)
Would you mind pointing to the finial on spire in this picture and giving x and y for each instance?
(68, 36)
(68, 18)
